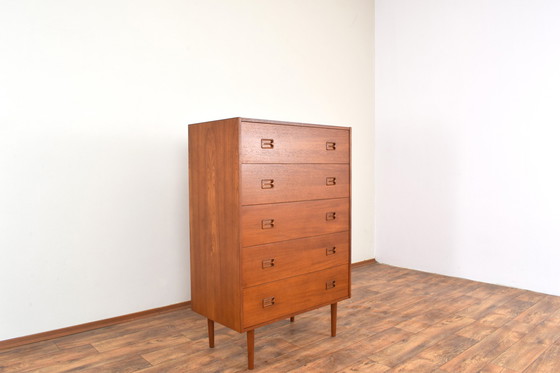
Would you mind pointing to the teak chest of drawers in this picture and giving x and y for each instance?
(269, 221)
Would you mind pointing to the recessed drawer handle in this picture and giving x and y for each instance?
(267, 263)
(330, 216)
(267, 183)
(267, 143)
(330, 284)
(331, 181)
(267, 223)
(267, 302)
(331, 250)
(331, 145)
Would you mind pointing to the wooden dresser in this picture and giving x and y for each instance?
(269, 221)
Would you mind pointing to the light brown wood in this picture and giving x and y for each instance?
(293, 294)
(293, 220)
(76, 329)
(547, 362)
(368, 328)
(271, 262)
(273, 183)
(270, 220)
(293, 144)
(214, 221)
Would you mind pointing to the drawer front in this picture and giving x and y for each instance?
(270, 143)
(271, 183)
(283, 298)
(271, 262)
(262, 224)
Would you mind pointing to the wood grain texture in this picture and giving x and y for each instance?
(214, 221)
(293, 144)
(294, 294)
(547, 362)
(484, 352)
(293, 220)
(293, 182)
(294, 257)
(239, 177)
(177, 341)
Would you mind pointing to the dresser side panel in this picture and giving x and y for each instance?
(214, 221)
(350, 215)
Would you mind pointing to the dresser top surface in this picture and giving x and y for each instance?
(266, 121)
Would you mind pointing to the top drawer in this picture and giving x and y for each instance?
(276, 143)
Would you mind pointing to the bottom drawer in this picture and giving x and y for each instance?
(286, 297)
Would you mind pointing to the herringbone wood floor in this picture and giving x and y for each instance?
(398, 320)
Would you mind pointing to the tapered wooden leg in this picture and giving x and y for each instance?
(211, 333)
(292, 319)
(333, 319)
(251, 349)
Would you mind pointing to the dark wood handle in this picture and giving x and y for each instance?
(331, 145)
(267, 263)
(267, 183)
(331, 181)
(267, 143)
(267, 223)
(330, 284)
(331, 250)
(330, 216)
(267, 302)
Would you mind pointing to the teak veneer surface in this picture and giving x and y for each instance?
(213, 180)
(307, 146)
(293, 220)
(294, 257)
(398, 320)
(255, 183)
(294, 294)
(293, 182)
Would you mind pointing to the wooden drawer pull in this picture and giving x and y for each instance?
(267, 263)
(330, 284)
(331, 181)
(331, 145)
(267, 302)
(267, 183)
(267, 143)
(331, 250)
(330, 216)
(267, 223)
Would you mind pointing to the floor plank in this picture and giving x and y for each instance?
(548, 362)
(398, 320)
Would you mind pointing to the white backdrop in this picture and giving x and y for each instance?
(95, 98)
(467, 131)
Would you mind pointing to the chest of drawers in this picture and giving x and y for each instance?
(269, 221)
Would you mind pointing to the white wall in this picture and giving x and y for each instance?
(467, 132)
(95, 98)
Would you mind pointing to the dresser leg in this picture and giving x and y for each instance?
(251, 349)
(292, 319)
(211, 333)
(333, 319)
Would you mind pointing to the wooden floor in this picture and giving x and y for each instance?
(397, 321)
